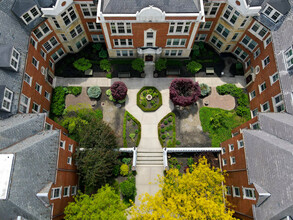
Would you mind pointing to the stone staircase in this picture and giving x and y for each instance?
(149, 157)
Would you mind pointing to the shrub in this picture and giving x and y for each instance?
(184, 92)
(105, 65)
(136, 131)
(58, 101)
(161, 64)
(193, 66)
(128, 189)
(229, 89)
(243, 100)
(169, 119)
(82, 64)
(163, 136)
(205, 89)
(132, 136)
(178, 142)
(97, 46)
(116, 170)
(217, 120)
(108, 92)
(121, 101)
(124, 169)
(94, 92)
(109, 75)
(74, 90)
(243, 111)
(126, 160)
(99, 114)
(165, 122)
(190, 161)
(119, 90)
(103, 54)
(138, 64)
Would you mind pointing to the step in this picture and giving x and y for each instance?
(149, 154)
(149, 158)
(149, 162)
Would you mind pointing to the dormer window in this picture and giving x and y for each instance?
(7, 100)
(288, 56)
(31, 15)
(14, 60)
(272, 13)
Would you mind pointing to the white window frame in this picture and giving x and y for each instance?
(256, 53)
(244, 22)
(233, 191)
(248, 197)
(262, 108)
(211, 7)
(73, 190)
(253, 114)
(205, 26)
(280, 103)
(53, 193)
(97, 37)
(33, 42)
(76, 31)
(267, 41)
(224, 162)
(41, 29)
(272, 13)
(35, 63)
(122, 53)
(260, 87)
(68, 191)
(128, 43)
(223, 150)
(70, 148)
(183, 25)
(288, 57)
(250, 41)
(81, 43)
(260, 29)
(232, 160)
(126, 26)
(180, 41)
(14, 59)
(95, 25)
(235, 36)
(28, 79)
(265, 63)
(252, 125)
(173, 53)
(241, 54)
(232, 12)
(63, 37)
(69, 160)
(57, 53)
(39, 107)
(272, 80)
(217, 41)
(30, 14)
(222, 31)
(5, 99)
(48, 126)
(252, 96)
(69, 14)
(231, 147)
(201, 37)
(89, 8)
(47, 95)
(24, 105)
(240, 144)
(38, 88)
(228, 192)
(62, 144)
(43, 54)
(57, 25)
(50, 44)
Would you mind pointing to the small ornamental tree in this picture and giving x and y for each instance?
(103, 54)
(94, 92)
(161, 64)
(119, 90)
(82, 64)
(193, 66)
(184, 92)
(105, 65)
(138, 64)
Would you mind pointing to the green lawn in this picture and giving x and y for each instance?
(221, 129)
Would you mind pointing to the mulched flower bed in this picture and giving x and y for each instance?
(131, 131)
(149, 99)
(167, 131)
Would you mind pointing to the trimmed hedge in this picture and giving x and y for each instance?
(148, 109)
(58, 101)
(173, 130)
(124, 128)
(74, 90)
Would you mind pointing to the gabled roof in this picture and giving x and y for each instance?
(5, 55)
(282, 6)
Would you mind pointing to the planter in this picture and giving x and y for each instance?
(142, 75)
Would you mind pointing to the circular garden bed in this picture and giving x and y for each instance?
(149, 99)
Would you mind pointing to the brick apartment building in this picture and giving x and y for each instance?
(38, 177)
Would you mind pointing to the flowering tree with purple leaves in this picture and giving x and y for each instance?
(119, 90)
(184, 92)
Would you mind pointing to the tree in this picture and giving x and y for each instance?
(94, 92)
(105, 65)
(103, 54)
(193, 66)
(82, 64)
(138, 64)
(96, 155)
(161, 64)
(184, 92)
(119, 90)
(105, 204)
(193, 195)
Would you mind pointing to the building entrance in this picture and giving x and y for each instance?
(149, 58)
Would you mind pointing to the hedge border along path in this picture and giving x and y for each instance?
(173, 136)
(138, 136)
(149, 109)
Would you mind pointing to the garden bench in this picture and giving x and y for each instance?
(173, 72)
(123, 74)
(210, 70)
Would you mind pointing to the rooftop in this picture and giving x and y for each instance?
(6, 161)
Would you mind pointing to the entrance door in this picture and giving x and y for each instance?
(149, 58)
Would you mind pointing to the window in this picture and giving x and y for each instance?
(70, 48)
(36, 108)
(224, 162)
(265, 107)
(223, 150)
(248, 43)
(288, 56)
(232, 160)
(248, 193)
(7, 99)
(231, 15)
(56, 22)
(201, 37)
(258, 30)
(210, 9)
(58, 55)
(50, 44)
(272, 13)
(70, 147)
(35, 63)
(33, 42)
(252, 95)
(66, 191)
(124, 53)
(56, 193)
(205, 25)
(63, 37)
(228, 190)
(150, 35)
(68, 16)
(38, 88)
(244, 22)
(97, 38)
(48, 126)
(51, 64)
(236, 191)
(24, 104)
(240, 53)
(274, 78)
(254, 126)
(254, 112)
(240, 144)
(179, 27)
(81, 43)
(278, 103)
(29, 16)
(41, 31)
(256, 53)
(47, 95)
(222, 31)
(76, 31)
(123, 43)
(216, 42)
(93, 26)
(173, 53)
(265, 62)
(62, 144)
(176, 42)
(228, 47)
(262, 87)
(231, 147)
(73, 190)
(89, 10)
(27, 79)
(121, 28)
(267, 41)
(14, 59)
(69, 160)
(235, 36)
(43, 54)
(247, 63)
